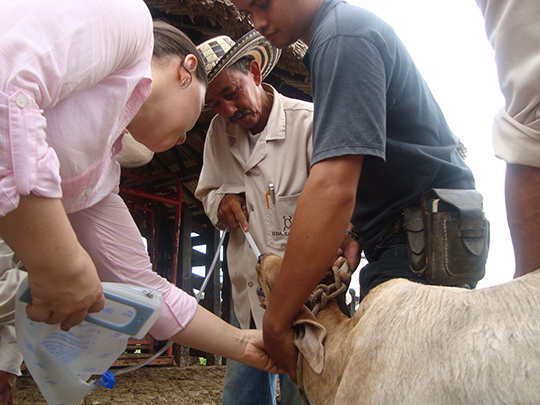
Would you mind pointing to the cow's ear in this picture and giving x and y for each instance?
(309, 335)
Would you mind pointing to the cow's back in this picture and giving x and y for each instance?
(416, 344)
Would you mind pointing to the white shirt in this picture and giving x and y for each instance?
(513, 29)
(282, 156)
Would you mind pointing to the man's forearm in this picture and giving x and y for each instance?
(523, 212)
(322, 216)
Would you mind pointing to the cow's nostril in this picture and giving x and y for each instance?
(260, 258)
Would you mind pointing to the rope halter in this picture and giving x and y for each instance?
(323, 293)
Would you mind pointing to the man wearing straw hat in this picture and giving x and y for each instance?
(256, 161)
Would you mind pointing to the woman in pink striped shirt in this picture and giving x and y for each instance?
(74, 76)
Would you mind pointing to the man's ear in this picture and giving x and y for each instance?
(255, 70)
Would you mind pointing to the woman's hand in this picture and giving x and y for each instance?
(255, 355)
(209, 333)
(66, 293)
(63, 279)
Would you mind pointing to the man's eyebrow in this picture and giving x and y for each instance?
(225, 90)
(221, 93)
(250, 5)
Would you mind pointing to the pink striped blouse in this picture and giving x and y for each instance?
(73, 74)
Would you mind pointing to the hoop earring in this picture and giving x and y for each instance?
(185, 83)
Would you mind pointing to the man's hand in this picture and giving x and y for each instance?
(232, 211)
(352, 251)
(322, 215)
(280, 346)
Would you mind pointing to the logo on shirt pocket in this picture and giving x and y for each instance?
(279, 219)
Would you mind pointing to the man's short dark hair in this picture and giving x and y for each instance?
(242, 64)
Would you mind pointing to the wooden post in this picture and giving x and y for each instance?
(181, 353)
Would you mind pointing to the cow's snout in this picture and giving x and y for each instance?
(259, 259)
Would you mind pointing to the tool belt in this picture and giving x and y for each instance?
(448, 237)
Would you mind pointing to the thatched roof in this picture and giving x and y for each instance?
(221, 17)
(200, 20)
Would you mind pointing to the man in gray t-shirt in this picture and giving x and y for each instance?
(379, 142)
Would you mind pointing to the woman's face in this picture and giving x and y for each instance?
(173, 107)
(186, 111)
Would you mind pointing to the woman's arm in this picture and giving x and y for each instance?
(63, 280)
(210, 333)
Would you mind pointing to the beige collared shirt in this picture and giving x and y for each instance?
(281, 156)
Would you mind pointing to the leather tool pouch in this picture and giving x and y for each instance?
(448, 237)
(413, 225)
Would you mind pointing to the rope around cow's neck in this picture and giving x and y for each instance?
(323, 294)
(318, 300)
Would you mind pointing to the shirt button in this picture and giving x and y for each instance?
(248, 173)
(250, 284)
(21, 101)
(251, 207)
(89, 191)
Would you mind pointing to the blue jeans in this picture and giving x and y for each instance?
(245, 385)
(387, 260)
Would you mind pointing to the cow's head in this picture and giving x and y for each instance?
(309, 333)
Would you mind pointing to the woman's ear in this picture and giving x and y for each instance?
(190, 62)
(187, 70)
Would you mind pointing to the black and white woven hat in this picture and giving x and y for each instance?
(221, 52)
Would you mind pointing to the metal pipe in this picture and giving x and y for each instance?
(169, 344)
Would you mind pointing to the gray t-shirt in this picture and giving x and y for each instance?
(371, 100)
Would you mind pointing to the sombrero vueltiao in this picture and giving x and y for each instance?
(221, 52)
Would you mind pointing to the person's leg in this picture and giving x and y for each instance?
(245, 385)
(7, 388)
(10, 354)
(522, 191)
(10, 364)
(288, 391)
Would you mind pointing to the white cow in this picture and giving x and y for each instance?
(410, 343)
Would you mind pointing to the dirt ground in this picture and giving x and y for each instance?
(194, 385)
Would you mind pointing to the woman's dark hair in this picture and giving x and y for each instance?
(170, 41)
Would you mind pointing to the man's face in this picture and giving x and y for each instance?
(282, 22)
(236, 96)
